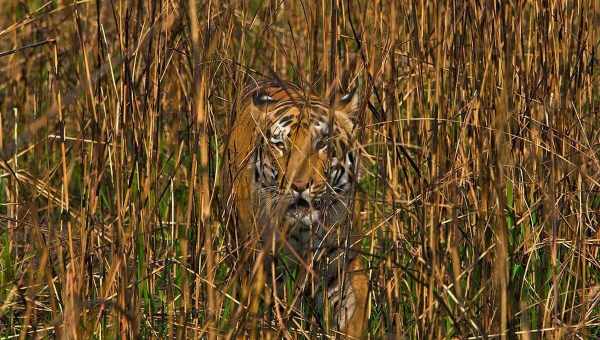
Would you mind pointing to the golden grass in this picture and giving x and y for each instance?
(478, 205)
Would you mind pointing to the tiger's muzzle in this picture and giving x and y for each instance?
(303, 206)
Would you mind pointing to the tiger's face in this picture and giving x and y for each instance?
(303, 161)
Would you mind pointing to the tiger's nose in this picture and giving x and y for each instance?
(299, 185)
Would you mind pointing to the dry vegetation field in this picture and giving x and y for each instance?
(479, 201)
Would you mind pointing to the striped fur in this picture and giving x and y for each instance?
(291, 162)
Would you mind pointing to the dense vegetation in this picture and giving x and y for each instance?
(479, 201)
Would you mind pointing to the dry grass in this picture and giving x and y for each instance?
(480, 200)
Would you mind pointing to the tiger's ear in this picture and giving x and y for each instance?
(260, 98)
(261, 103)
(346, 102)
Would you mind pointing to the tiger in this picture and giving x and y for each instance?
(291, 161)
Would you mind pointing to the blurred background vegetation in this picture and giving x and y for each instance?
(479, 204)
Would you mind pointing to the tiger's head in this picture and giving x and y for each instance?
(303, 161)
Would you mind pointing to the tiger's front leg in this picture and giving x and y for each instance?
(348, 297)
